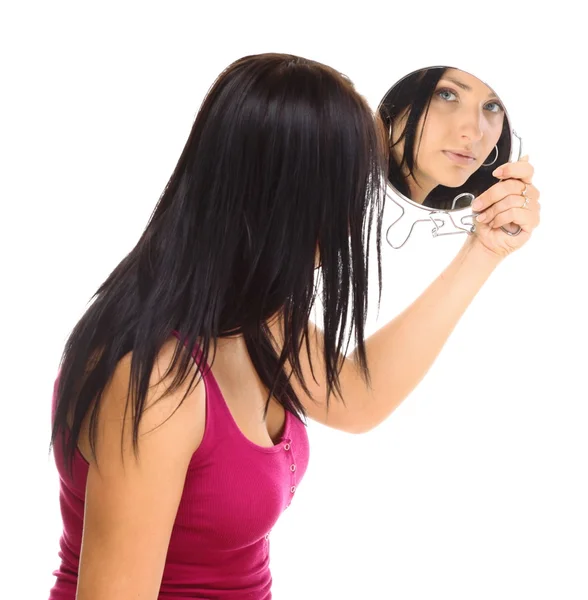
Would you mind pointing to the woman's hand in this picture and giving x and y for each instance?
(503, 204)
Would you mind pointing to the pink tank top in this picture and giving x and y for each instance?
(234, 493)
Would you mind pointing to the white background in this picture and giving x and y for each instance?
(476, 486)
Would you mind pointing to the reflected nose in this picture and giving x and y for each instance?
(471, 126)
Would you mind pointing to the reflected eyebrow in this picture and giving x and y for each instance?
(467, 88)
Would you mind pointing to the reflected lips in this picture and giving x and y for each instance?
(460, 158)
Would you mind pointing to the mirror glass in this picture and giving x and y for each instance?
(447, 132)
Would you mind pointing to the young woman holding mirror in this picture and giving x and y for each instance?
(171, 475)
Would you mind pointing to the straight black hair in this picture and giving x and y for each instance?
(414, 92)
(284, 157)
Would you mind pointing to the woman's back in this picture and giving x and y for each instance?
(282, 170)
(237, 483)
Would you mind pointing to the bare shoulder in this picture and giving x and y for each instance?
(132, 501)
(160, 404)
(158, 407)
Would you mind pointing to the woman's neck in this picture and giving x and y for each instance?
(419, 191)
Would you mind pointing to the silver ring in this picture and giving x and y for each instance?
(524, 195)
(510, 233)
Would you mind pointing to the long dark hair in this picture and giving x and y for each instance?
(284, 156)
(414, 93)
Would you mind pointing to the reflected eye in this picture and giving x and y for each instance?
(495, 107)
(447, 95)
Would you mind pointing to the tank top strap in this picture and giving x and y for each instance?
(221, 427)
(218, 424)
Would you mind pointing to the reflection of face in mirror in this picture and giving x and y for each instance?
(444, 126)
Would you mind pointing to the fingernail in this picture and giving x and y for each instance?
(481, 217)
(476, 204)
(498, 172)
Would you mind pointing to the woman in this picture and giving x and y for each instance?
(176, 475)
(447, 133)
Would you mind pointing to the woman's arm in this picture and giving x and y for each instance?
(131, 507)
(400, 353)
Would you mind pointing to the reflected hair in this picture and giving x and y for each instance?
(284, 157)
(414, 93)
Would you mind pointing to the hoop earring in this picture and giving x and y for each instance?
(495, 158)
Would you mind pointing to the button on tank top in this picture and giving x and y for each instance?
(234, 493)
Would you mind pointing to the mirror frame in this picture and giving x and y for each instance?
(455, 221)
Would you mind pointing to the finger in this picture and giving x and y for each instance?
(497, 192)
(528, 190)
(511, 201)
(526, 219)
(521, 169)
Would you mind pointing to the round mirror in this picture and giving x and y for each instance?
(447, 132)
